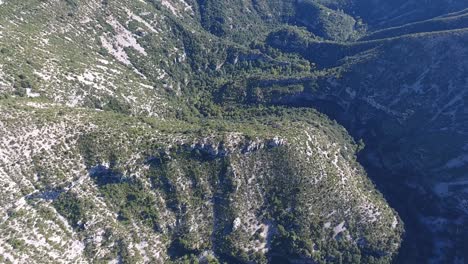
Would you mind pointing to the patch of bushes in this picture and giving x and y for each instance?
(70, 206)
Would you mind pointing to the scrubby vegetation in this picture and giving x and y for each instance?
(185, 131)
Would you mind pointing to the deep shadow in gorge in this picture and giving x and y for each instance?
(416, 246)
(409, 201)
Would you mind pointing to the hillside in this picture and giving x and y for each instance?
(183, 131)
(100, 186)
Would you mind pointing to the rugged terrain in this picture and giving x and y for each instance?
(96, 186)
(182, 131)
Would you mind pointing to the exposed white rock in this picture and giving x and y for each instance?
(141, 20)
(236, 224)
(339, 229)
(116, 44)
(169, 6)
(29, 93)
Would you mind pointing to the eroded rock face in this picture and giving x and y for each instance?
(138, 194)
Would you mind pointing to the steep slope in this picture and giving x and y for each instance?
(168, 131)
(82, 185)
(116, 147)
(453, 21)
(401, 89)
(406, 97)
(254, 18)
(384, 13)
(63, 50)
(423, 110)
